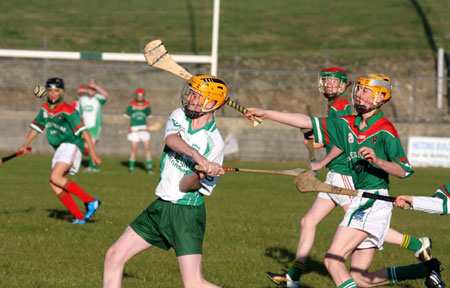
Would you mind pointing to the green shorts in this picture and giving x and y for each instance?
(167, 225)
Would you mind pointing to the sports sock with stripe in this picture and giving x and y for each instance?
(413, 271)
(411, 243)
(296, 270)
(350, 283)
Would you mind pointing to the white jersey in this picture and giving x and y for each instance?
(90, 108)
(438, 203)
(174, 166)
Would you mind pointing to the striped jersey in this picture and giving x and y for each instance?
(138, 113)
(338, 107)
(63, 124)
(380, 135)
(91, 108)
(443, 193)
(438, 203)
(174, 166)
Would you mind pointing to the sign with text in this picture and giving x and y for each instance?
(429, 151)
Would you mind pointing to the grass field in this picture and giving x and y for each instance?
(253, 226)
(260, 29)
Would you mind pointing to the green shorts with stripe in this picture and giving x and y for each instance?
(165, 225)
(95, 132)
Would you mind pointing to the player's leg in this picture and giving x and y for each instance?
(132, 160)
(421, 246)
(362, 259)
(66, 160)
(69, 203)
(191, 271)
(344, 243)
(148, 156)
(318, 211)
(359, 267)
(128, 245)
(94, 131)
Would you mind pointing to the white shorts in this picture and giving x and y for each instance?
(375, 218)
(70, 154)
(339, 180)
(138, 136)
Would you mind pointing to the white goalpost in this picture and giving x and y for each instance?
(128, 57)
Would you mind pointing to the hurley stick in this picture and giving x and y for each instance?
(307, 182)
(293, 172)
(157, 56)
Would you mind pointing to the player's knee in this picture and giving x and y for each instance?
(308, 222)
(112, 257)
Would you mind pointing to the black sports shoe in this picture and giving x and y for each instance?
(434, 280)
(283, 279)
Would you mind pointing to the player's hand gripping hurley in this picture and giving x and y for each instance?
(9, 157)
(157, 56)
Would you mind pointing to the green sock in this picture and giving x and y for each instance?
(413, 271)
(350, 283)
(411, 243)
(296, 270)
(131, 163)
(91, 165)
(149, 164)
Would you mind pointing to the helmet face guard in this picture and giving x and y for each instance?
(332, 82)
(52, 85)
(203, 94)
(375, 84)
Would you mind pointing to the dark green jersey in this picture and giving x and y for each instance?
(138, 113)
(336, 108)
(380, 135)
(63, 124)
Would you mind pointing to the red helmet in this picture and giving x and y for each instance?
(140, 92)
(81, 89)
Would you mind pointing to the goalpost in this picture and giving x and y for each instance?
(129, 57)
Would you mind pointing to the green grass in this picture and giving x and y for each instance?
(253, 226)
(259, 29)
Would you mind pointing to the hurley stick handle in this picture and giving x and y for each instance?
(243, 110)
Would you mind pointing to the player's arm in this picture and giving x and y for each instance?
(98, 88)
(87, 138)
(293, 119)
(177, 144)
(129, 125)
(31, 135)
(334, 152)
(389, 167)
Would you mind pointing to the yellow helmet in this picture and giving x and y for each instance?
(380, 84)
(212, 90)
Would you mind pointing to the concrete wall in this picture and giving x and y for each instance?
(268, 141)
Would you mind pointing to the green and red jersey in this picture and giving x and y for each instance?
(337, 107)
(63, 124)
(380, 135)
(138, 113)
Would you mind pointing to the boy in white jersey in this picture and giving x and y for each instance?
(177, 218)
(90, 107)
(374, 152)
(65, 133)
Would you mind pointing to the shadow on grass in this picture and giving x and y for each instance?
(284, 257)
(138, 165)
(27, 210)
(60, 214)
